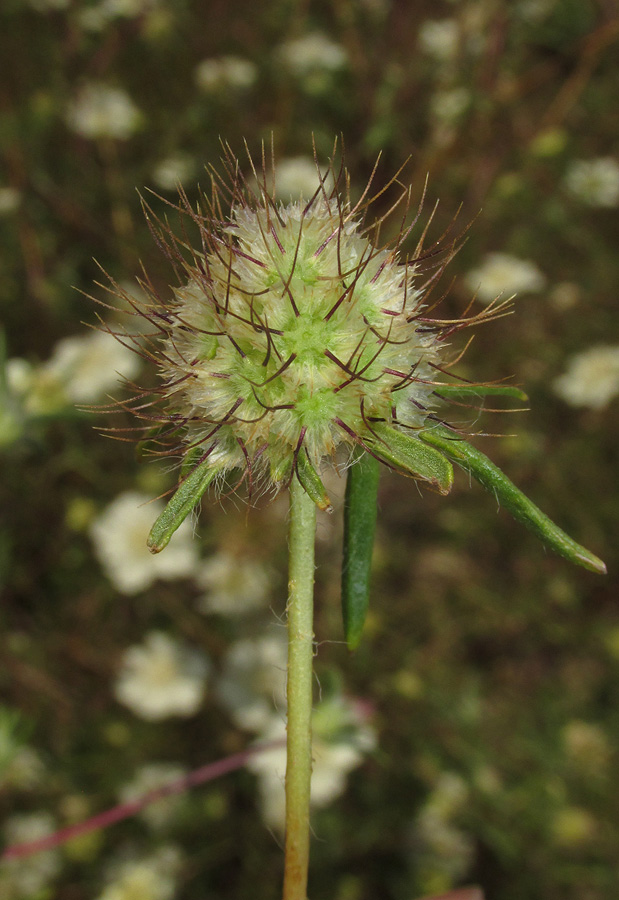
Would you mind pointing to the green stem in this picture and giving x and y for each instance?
(301, 534)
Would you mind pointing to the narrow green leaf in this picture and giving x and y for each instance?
(309, 478)
(412, 456)
(359, 525)
(463, 391)
(180, 505)
(492, 478)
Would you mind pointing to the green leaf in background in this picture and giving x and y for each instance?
(411, 456)
(492, 478)
(181, 504)
(359, 525)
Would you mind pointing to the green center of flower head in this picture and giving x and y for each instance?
(293, 332)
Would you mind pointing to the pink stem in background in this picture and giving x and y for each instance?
(124, 810)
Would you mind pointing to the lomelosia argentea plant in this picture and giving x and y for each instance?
(296, 341)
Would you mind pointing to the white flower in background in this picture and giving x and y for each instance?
(119, 536)
(341, 739)
(439, 844)
(591, 379)
(587, 747)
(29, 877)
(129, 9)
(88, 366)
(449, 796)
(297, 177)
(44, 6)
(80, 370)
(594, 181)
(15, 381)
(446, 107)
(19, 375)
(500, 273)
(253, 680)
(10, 198)
(442, 847)
(24, 771)
(438, 38)
(312, 59)
(162, 677)
(177, 169)
(233, 585)
(535, 11)
(572, 827)
(151, 777)
(149, 878)
(101, 111)
(97, 17)
(225, 73)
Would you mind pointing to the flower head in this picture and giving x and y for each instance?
(293, 330)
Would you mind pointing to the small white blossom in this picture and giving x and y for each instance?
(535, 11)
(129, 9)
(341, 738)
(253, 680)
(97, 17)
(446, 107)
(119, 535)
(161, 678)
(10, 198)
(587, 747)
(449, 796)
(151, 777)
(85, 367)
(24, 771)
(440, 845)
(149, 878)
(594, 181)
(101, 111)
(504, 274)
(44, 6)
(439, 38)
(21, 879)
(233, 585)
(297, 177)
(172, 171)
(225, 73)
(312, 59)
(591, 379)
(572, 827)
(19, 375)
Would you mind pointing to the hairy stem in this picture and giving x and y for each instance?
(301, 534)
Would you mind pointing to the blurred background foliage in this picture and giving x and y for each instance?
(473, 738)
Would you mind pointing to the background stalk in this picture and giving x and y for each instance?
(301, 535)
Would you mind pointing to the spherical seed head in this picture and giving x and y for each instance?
(293, 330)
